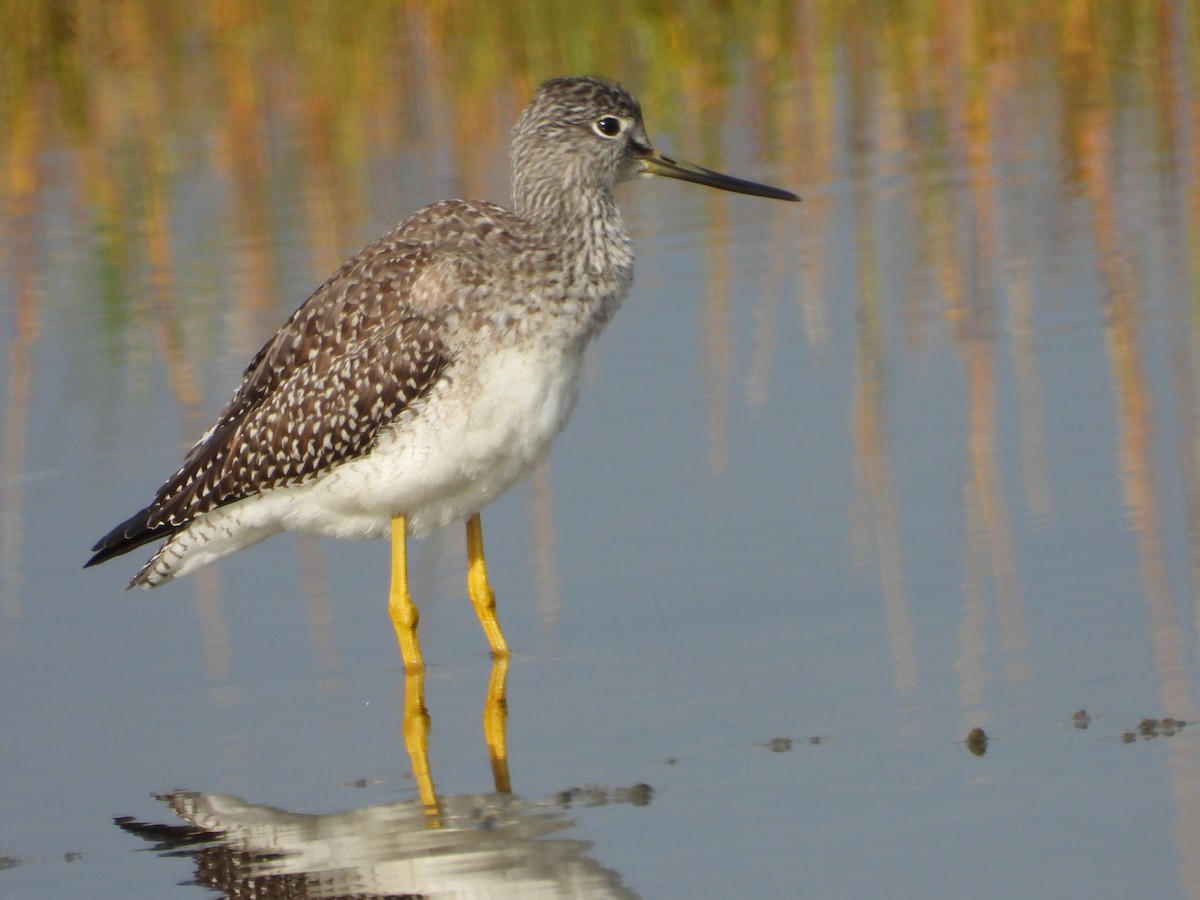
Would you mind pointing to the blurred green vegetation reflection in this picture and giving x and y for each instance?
(289, 103)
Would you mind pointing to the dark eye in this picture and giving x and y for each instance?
(609, 126)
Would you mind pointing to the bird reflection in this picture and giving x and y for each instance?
(495, 734)
(475, 845)
(487, 845)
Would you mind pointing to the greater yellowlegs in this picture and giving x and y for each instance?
(433, 370)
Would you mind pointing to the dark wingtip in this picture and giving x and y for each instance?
(104, 555)
(129, 535)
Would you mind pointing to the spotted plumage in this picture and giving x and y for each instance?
(434, 369)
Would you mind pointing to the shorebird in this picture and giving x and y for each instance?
(432, 371)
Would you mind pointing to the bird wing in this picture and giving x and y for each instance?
(363, 348)
(319, 415)
(322, 413)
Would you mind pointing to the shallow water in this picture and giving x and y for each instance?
(849, 478)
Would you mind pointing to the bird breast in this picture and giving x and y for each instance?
(486, 426)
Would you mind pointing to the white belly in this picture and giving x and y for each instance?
(464, 448)
(468, 444)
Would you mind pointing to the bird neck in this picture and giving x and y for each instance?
(577, 231)
(559, 201)
(576, 216)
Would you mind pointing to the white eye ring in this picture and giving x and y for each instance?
(609, 127)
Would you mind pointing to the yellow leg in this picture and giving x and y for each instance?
(480, 591)
(495, 724)
(416, 740)
(400, 603)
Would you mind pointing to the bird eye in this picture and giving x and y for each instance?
(608, 126)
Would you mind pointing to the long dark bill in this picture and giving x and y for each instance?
(655, 163)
